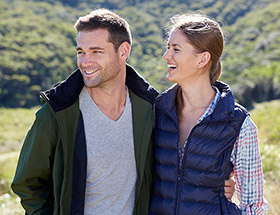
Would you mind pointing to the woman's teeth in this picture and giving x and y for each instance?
(172, 66)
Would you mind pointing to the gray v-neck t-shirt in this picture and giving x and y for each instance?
(111, 167)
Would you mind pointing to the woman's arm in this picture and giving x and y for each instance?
(248, 172)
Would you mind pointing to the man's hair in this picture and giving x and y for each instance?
(117, 27)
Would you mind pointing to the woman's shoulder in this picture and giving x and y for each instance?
(171, 92)
(167, 99)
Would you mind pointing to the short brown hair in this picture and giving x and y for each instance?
(204, 34)
(117, 27)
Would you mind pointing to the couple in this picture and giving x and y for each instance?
(91, 148)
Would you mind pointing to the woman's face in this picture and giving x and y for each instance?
(181, 57)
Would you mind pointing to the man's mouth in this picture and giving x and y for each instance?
(90, 72)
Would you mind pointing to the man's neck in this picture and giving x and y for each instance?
(111, 101)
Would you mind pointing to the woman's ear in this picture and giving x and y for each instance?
(124, 51)
(204, 59)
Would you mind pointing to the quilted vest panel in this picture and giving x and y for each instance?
(198, 186)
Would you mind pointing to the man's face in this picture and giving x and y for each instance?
(97, 59)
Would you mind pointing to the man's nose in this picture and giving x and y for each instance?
(87, 60)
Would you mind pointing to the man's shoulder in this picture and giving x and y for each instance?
(65, 93)
(139, 86)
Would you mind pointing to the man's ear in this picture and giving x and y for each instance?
(124, 51)
(204, 59)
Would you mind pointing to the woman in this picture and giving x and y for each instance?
(201, 134)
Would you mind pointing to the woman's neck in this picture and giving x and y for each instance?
(197, 95)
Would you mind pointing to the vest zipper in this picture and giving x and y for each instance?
(179, 179)
(178, 185)
(179, 182)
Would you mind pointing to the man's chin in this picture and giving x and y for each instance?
(91, 83)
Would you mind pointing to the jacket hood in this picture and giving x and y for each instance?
(65, 93)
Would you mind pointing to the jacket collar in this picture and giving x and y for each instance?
(225, 106)
(65, 93)
(138, 85)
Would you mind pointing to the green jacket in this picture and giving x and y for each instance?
(51, 172)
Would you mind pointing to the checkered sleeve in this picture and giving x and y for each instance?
(248, 172)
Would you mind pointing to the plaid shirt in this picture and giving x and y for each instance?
(246, 160)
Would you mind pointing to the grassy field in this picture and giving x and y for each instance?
(14, 124)
(9, 203)
(267, 118)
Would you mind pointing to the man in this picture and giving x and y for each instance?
(89, 150)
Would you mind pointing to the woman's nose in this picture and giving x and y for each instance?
(166, 55)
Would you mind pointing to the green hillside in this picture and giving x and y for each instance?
(36, 50)
(38, 43)
(252, 55)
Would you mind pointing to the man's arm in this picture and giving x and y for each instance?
(32, 180)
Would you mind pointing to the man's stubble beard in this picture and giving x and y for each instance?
(103, 77)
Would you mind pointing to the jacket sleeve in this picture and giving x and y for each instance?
(144, 201)
(32, 181)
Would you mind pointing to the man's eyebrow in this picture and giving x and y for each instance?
(91, 48)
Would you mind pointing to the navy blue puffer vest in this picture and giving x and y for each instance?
(197, 188)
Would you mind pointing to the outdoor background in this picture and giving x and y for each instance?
(37, 50)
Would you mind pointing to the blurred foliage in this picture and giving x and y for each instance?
(252, 55)
(37, 45)
(36, 50)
